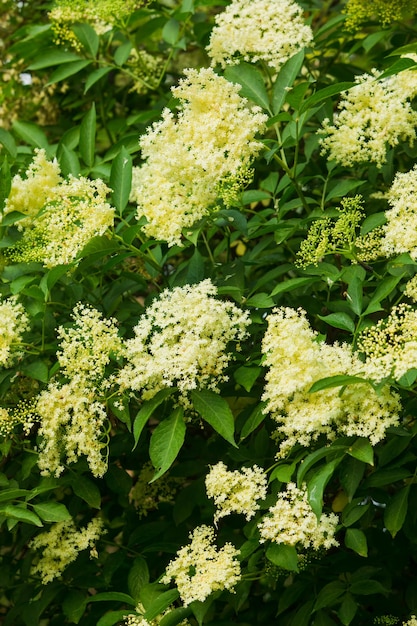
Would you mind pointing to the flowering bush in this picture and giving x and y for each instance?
(208, 313)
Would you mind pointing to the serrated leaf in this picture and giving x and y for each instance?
(323, 94)
(53, 57)
(339, 320)
(317, 484)
(68, 161)
(32, 134)
(162, 602)
(67, 70)
(88, 136)
(383, 290)
(12, 494)
(88, 37)
(362, 450)
(138, 576)
(21, 514)
(38, 370)
(283, 556)
(95, 76)
(260, 301)
(397, 67)
(85, 489)
(122, 53)
(291, 284)
(254, 420)
(121, 179)
(246, 376)
(216, 412)
(342, 188)
(285, 79)
(251, 81)
(52, 511)
(317, 455)
(367, 587)
(355, 539)
(347, 610)
(8, 142)
(330, 595)
(396, 511)
(147, 410)
(166, 442)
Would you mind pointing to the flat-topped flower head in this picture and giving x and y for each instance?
(75, 211)
(296, 360)
(189, 156)
(271, 31)
(200, 568)
(400, 230)
(183, 340)
(13, 323)
(237, 491)
(61, 545)
(374, 114)
(383, 11)
(292, 522)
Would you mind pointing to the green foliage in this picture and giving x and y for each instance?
(283, 230)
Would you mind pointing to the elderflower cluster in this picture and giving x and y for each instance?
(237, 491)
(13, 323)
(411, 622)
(296, 360)
(87, 345)
(61, 544)
(383, 11)
(182, 340)
(75, 211)
(29, 194)
(292, 522)
(328, 236)
(138, 619)
(187, 157)
(258, 30)
(73, 415)
(373, 114)
(200, 568)
(411, 288)
(390, 347)
(400, 230)
(101, 15)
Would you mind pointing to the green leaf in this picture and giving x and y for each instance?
(362, 450)
(354, 511)
(38, 370)
(293, 283)
(65, 71)
(397, 67)
(12, 494)
(122, 53)
(162, 602)
(147, 410)
(51, 278)
(355, 294)
(251, 81)
(215, 410)
(317, 484)
(52, 511)
(176, 616)
(85, 489)
(254, 420)
(342, 188)
(166, 442)
(121, 179)
(340, 380)
(367, 587)
(73, 605)
(330, 595)
(383, 290)
(396, 511)
(347, 610)
(317, 455)
(323, 94)
(21, 514)
(246, 376)
(339, 320)
(68, 161)
(260, 301)
(52, 57)
(285, 79)
(31, 134)
(171, 32)
(8, 142)
(355, 539)
(112, 596)
(95, 76)
(88, 37)
(88, 136)
(112, 618)
(283, 556)
(138, 576)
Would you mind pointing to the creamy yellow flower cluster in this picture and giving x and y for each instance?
(411, 622)
(182, 340)
(373, 114)
(187, 157)
(73, 414)
(296, 360)
(61, 545)
(383, 11)
(138, 619)
(62, 215)
(291, 521)
(258, 30)
(13, 323)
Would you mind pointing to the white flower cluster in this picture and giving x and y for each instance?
(200, 568)
(411, 622)
(258, 30)
(73, 415)
(373, 114)
(237, 491)
(13, 323)
(61, 544)
(182, 340)
(62, 215)
(390, 347)
(400, 232)
(189, 157)
(291, 521)
(296, 360)
(138, 619)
